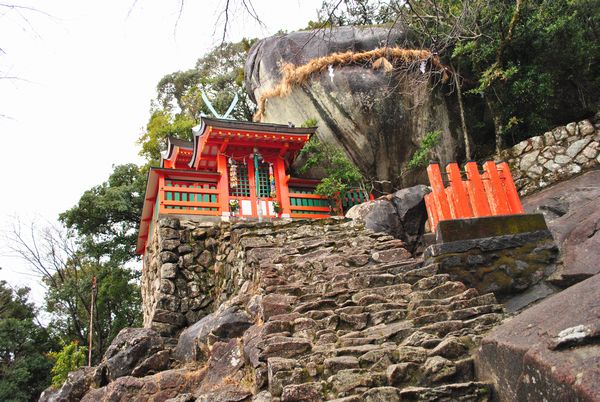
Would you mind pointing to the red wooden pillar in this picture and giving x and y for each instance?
(496, 194)
(431, 211)
(476, 191)
(283, 191)
(462, 207)
(511, 190)
(223, 184)
(161, 193)
(439, 195)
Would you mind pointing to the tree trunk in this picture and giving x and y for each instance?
(498, 128)
(461, 109)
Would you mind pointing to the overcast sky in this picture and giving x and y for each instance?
(87, 71)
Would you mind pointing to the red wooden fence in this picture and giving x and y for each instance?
(492, 192)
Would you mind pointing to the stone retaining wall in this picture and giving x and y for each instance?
(554, 156)
(189, 268)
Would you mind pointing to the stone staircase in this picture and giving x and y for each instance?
(348, 315)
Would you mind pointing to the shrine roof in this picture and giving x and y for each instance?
(214, 134)
(258, 127)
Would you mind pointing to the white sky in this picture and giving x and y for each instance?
(87, 75)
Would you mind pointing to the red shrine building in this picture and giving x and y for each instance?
(234, 169)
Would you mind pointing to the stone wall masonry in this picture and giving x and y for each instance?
(554, 156)
(190, 267)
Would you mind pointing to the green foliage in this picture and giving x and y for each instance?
(163, 124)
(340, 172)
(118, 302)
(107, 216)
(105, 224)
(421, 156)
(71, 357)
(312, 122)
(24, 344)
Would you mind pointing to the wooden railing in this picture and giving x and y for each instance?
(304, 203)
(492, 192)
(192, 197)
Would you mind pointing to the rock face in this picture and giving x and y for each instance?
(550, 352)
(571, 210)
(327, 309)
(377, 117)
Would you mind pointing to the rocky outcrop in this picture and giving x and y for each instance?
(326, 310)
(135, 352)
(571, 211)
(550, 352)
(378, 117)
(554, 156)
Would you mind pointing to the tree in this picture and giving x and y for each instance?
(24, 346)
(106, 218)
(179, 103)
(67, 272)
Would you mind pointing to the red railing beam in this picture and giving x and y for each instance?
(476, 191)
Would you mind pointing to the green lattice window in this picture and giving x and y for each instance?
(243, 184)
(264, 185)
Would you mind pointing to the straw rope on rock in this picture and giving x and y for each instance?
(387, 56)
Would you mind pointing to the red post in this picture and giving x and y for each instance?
(283, 191)
(439, 195)
(223, 184)
(476, 191)
(496, 194)
(161, 193)
(463, 207)
(431, 211)
(511, 190)
(451, 202)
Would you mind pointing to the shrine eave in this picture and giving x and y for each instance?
(226, 124)
(174, 145)
(227, 132)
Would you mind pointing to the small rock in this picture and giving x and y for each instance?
(585, 127)
(168, 270)
(398, 374)
(450, 348)
(437, 369)
(382, 394)
(572, 128)
(334, 364)
(528, 160)
(310, 392)
(577, 147)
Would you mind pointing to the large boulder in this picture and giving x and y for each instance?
(550, 352)
(401, 214)
(571, 211)
(134, 351)
(157, 387)
(74, 388)
(377, 117)
(222, 325)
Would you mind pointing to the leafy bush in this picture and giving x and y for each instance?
(340, 172)
(70, 358)
(420, 157)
